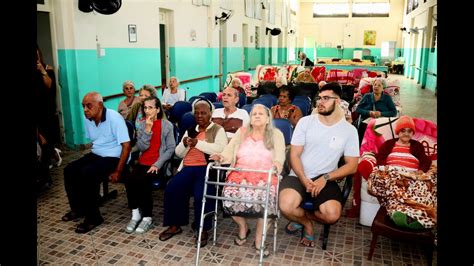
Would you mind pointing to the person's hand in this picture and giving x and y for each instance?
(149, 123)
(40, 67)
(278, 167)
(308, 184)
(377, 114)
(318, 185)
(215, 157)
(153, 169)
(191, 142)
(167, 106)
(114, 177)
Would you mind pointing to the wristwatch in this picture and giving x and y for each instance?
(326, 176)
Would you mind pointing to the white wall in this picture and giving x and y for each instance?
(331, 30)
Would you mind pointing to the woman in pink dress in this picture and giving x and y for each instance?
(256, 146)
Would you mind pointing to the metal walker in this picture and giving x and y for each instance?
(218, 183)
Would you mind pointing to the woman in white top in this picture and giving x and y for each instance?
(173, 94)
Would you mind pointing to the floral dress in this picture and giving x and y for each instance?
(252, 154)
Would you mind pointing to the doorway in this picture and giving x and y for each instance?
(165, 42)
(245, 44)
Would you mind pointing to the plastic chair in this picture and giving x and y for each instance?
(304, 106)
(187, 121)
(192, 99)
(346, 190)
(265, 101)
(242, 99)
(217, 197)
(247, 107)
(271, 97)
(178, 110)
(284, 125)
(218, 105)
(211, 96)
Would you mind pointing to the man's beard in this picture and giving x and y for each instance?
(330, 110)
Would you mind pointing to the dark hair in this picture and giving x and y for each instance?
(291, 92)
(157, 105)
(332, 86)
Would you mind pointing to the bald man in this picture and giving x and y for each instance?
(230, 117)
(108, 132)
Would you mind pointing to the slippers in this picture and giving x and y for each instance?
(293, 228)
(167, 234)
(239, 241)
(307, 240)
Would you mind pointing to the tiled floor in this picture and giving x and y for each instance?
(349, 241)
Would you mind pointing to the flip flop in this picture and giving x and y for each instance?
(307, 237)
(293, 228)
(167, 234)
(239, 241)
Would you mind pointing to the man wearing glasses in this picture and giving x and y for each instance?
(318, 143)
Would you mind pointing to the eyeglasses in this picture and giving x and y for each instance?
(324, 98)
(148, 107)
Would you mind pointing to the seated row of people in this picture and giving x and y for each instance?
(326, 135)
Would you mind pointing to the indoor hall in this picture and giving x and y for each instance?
(203, 43)
(108, 244)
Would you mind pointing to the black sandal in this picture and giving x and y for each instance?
(240, 241)
(167, 234)
(204, 238)
(71, 216)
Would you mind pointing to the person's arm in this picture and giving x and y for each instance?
(227, 154)
(279, 150)
(182, 95)
(419, 152)
(169, 144)
(384, 150)
(143, 137)
(47, 80)
(365, 106)
(297, 165)
(181, 149)
(219, 143)
(126, 147)
(295, 116)
(392, 110)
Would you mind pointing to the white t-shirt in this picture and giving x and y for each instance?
(324, 145)
(239, 114)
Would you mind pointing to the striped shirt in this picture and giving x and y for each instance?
(401, 156)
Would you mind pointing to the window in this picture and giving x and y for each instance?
(331, 10)
(257, 34)
(370, 9)
(249, 8)
(293, 6)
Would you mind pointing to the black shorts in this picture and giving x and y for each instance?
(330, 192)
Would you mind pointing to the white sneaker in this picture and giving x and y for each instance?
(144, 225)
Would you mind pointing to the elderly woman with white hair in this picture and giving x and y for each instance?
(126, 104)
(173, 94)
(257, 146)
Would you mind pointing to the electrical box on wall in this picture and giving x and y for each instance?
(339, 47)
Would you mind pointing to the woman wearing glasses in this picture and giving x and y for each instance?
(155, 140)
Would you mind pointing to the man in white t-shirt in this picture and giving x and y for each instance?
(318, 143)
(230, 117)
